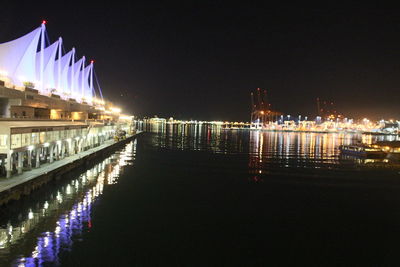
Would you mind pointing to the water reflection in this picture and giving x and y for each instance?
(301, 147)
(266, 149)
(205, 137)
(306, 150)
(50, 225)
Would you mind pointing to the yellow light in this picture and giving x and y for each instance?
(125, 117)
(115, 110)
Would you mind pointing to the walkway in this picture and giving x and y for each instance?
(15, 180)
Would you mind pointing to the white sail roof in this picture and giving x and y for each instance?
(20, 62)
(17, 58)
(88, 95)
(65, 61)
(74, 84)
(49, 55)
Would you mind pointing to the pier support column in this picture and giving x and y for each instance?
(29, 159)
(72, 147)
(3, 165)
(38, 150)
(62, 149)
(51, 151)
(20, 162)
(57, 148)
(9, 164)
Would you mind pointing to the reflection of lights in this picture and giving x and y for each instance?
(69, 189)
(92, 183)
(46, 241)
(59, 197)
(35, 253)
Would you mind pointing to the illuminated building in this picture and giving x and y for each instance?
(41, 82)
(49, 107)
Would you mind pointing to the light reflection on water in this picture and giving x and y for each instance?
(49, 226)
(267, 149)
(38, 235)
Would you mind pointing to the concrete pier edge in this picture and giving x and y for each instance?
(23, 189)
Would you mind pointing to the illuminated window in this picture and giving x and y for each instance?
(26, 139)
(49, 136)
(63, 134)
(15, 140)
(35, 138)
(42, 137)
(56, 135)
(3, 140)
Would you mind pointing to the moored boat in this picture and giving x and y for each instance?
(392, 148)
(365, 151)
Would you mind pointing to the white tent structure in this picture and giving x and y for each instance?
(75, 75)
(62, 78)
(18, 58)
(48, 66)
(27, 62)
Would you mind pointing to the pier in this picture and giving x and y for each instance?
(22, 184)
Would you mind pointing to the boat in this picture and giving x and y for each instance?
(362, 150)
(392, 148)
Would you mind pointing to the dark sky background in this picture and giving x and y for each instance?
(202, 60)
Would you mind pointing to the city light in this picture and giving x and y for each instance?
(115, 110)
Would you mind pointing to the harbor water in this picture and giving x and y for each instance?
(201, 195)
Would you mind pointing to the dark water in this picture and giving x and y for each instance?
(204, 196)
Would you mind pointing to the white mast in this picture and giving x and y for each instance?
(59, 63)
(83, 79)
(43, 30)
(72, 72)
(91, 77)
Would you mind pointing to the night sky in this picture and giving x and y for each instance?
(201, 61)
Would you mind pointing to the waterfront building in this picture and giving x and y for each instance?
(49, 106)
(39, 82)
(28, 144)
